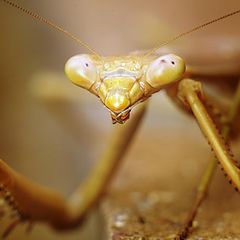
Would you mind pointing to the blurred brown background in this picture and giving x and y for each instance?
(55, 142)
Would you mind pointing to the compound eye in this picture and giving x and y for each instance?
(165, 70)
(82, 71)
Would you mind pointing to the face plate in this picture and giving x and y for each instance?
(119, 88)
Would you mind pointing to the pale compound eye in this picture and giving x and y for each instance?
(82, 71)
(165, 70)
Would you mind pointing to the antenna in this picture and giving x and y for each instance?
(39, 18)
(191, 31)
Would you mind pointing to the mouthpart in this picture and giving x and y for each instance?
(120, 117)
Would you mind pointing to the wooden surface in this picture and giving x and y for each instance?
(155, 188)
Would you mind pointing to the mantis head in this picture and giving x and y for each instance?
(122, 82)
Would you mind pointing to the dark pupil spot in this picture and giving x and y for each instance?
(173, 62)
(86, 64)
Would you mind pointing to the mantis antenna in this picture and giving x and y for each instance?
(53, 25)
(191, 31)
(83, 44)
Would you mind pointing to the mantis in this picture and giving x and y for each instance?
(121, 83)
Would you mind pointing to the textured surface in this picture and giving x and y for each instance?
(158, 215)
(151, 196)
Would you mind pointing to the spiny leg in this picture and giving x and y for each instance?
(210, 170)
(37, 203)
(191, 94)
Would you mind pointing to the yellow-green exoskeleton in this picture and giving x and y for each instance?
(122, 82)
